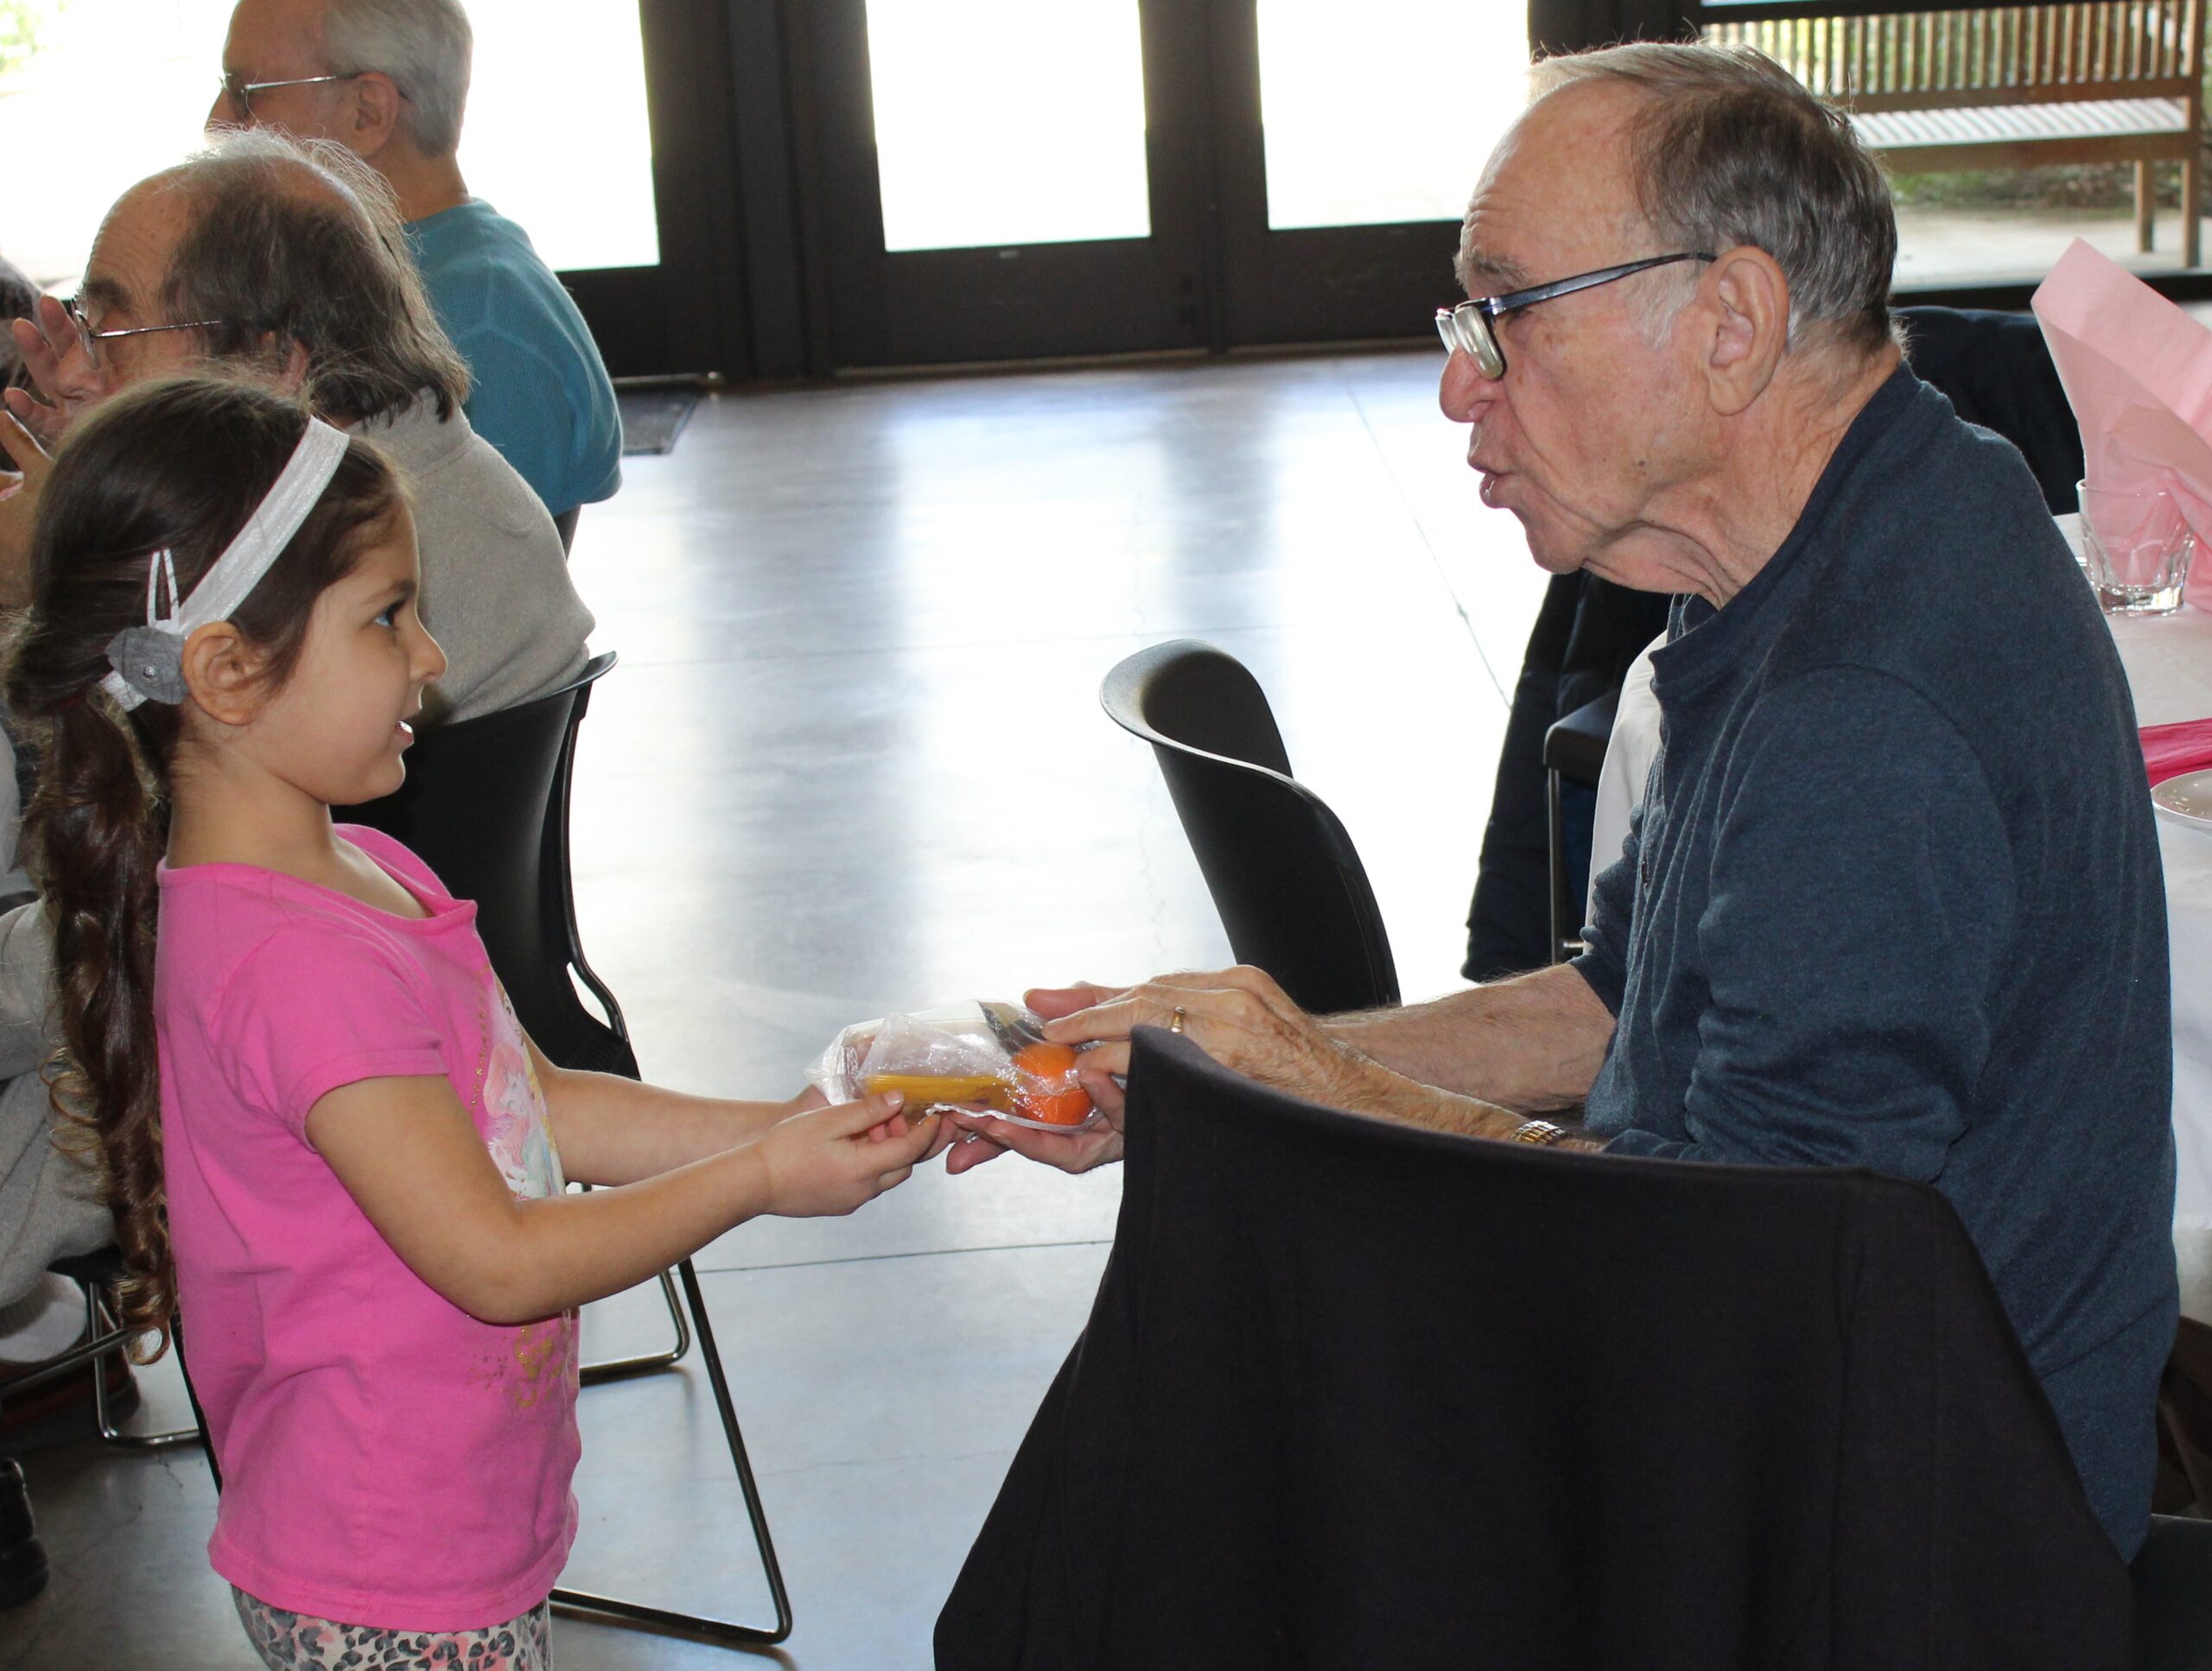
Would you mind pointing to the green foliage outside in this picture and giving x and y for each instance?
(21, 22)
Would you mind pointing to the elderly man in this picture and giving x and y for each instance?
(1894, 896)
(388, 80)
(286, 261)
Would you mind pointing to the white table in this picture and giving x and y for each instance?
(2169, 663)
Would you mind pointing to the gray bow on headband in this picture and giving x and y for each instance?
(148, 660)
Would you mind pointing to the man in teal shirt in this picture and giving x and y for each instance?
(388, 80)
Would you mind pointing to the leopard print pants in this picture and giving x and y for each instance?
(290, 1642)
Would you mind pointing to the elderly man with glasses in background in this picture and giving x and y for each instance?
(389, 80)
(284, 260)
(1893, 899)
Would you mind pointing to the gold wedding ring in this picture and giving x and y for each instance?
(1175, 1021)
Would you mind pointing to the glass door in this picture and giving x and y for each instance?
(1353, 136)
(1005, 179)
(594, 195)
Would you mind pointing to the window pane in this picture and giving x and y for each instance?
(1009, 121)
(149, 68)
(107, 94)
(581, 187)
(1386, 111)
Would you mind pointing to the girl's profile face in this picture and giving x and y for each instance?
(337, 727)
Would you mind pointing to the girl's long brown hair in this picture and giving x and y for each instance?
(178, 464)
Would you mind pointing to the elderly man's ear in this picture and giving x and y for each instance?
(1748, 307)
(370, 115)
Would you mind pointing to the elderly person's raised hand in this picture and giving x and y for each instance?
(19, 495)
(1239, 1016)
(54, 356)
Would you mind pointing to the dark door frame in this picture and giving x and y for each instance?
(868, 307)
(688, 314)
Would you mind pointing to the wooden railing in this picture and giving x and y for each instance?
(2013, 87)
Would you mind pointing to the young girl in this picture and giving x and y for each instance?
(325, 1139)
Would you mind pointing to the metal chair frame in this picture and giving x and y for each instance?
(103, 1335)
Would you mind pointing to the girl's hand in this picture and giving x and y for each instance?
(824, 1162)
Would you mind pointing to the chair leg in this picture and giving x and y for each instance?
(2146, 203)
(585, 1604)
(98, 1324)
(2192, 187)
(1555, 828)
(621, 1369)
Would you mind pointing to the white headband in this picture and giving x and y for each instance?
(148, 660)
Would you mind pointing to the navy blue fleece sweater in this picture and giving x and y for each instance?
(1894, 901)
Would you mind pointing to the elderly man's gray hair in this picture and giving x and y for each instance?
(422, 45)
(299, 242)
(1731, 151)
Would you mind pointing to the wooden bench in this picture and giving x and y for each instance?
(2014, 87)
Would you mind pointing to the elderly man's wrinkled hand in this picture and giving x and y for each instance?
(1238, 1016)
(982, 1135)
(67, 382)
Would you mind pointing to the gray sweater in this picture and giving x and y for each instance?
(50, 1199)
(496, 591)
(1894, 901)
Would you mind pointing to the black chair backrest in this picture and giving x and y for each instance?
(485, 805)
(1283, 873)
(1996, 370)
(1355, 1393)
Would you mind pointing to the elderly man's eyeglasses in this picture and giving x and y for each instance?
(1467, 326)
(240, 92)
(91, 339)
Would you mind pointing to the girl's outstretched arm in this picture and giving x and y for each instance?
(613, 1130)
(410, 1156)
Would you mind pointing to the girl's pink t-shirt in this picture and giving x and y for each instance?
(387, 1459)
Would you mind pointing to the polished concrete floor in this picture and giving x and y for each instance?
(852, 760)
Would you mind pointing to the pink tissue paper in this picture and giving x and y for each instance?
(2137, 372)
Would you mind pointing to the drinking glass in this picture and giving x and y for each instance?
(2136, 547)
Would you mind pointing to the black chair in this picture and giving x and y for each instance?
(1996, 370)
(1355, 1393)
(97, 1275)
(1587, 634)
(1575, 753)
(1283, 873)
(2172, 1576)
(485, 805)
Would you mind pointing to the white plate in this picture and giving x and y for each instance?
(2186, 799)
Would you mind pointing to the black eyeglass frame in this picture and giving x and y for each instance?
(1466, 327)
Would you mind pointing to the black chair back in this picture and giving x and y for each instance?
(1996, 370)
(485, 805)
(1355, 1393)
(1284, 875)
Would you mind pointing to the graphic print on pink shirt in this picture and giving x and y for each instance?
(511, 1113)
(514, 1121)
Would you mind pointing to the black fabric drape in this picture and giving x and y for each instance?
(1354, 1394)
